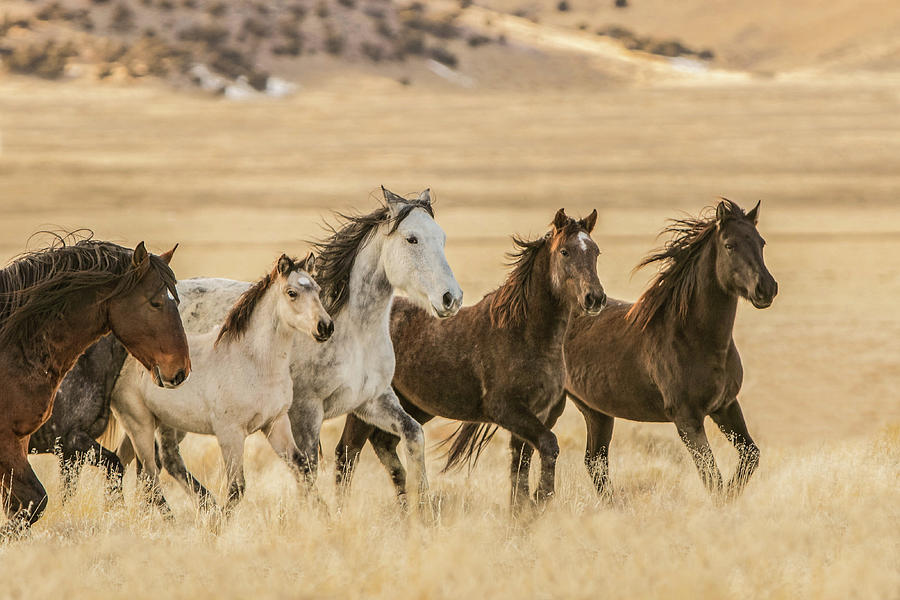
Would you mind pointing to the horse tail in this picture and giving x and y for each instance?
(112, 435)
(466, 444)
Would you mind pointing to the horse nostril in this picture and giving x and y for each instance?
(589, 300)
(603, 300)
(448, 300)
(179, 377)
(322, 328)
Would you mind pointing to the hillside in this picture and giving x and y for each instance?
(238, 46)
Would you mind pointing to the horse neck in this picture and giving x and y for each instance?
(66, 338)
(370, 292)
(711, 312)
(268, 339)
(548, 316)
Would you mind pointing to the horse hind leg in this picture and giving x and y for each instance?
(730, 420)
(596, 453)
(21, 492)
(519, 470)
(78, 449)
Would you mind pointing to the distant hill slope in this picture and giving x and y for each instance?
(223, 44)
(755, 35)
(230, 39)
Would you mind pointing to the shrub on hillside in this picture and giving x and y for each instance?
(334, 41)
(122, 19)
(212, 35)
(443, 56)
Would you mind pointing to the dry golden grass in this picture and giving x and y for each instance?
(821, 523)
(238, 183)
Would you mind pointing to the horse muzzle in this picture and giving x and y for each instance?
(180, 377)
(764, 294)
(324, 330)
(450, 305)
(592, 303)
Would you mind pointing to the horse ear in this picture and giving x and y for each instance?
(390, 197)
(560, 220)
(167, 256)
(285, 265)
(753, 215)
(425, 196)
(589, 221)
(140, 255)
(721, 211)
(309, 263)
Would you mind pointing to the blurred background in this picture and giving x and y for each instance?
(234, 127)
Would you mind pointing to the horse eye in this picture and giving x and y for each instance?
(412, 239)
(564, 252)
(729, 246)
(156, 304)
(292, 293)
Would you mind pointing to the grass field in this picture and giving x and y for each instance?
(237, 183)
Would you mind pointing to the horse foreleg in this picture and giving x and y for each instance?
(21, 492)
(281, 438)
(353, 438)
(140, 425)
(522, 423)
(231, 444)
(694, 438)
(730, 420)
(170, 455)
(386, 413)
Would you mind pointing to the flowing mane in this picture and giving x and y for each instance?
(238, 318)
(38, 286)
(673, 286)
(337, 253)
(509, 302)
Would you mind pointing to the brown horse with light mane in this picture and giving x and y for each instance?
(497, 363)
(670, 356)
(54, 303)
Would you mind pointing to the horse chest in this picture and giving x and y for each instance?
(355, 369)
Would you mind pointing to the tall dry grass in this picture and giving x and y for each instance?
(814, 523)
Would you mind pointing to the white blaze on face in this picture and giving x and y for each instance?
(583, 240)
(304, 281)
(169, 295)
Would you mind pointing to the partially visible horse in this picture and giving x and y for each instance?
(241, 382)
(56, 302)
(396, 247)
(499, 362)
(81, 415)
(670, 356)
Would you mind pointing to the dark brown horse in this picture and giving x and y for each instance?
(498, 362)
(56, 302)
(670, 356)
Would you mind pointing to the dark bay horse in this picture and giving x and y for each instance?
(670, 356)
(498, 362)
(81, 413)
(56, 302)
